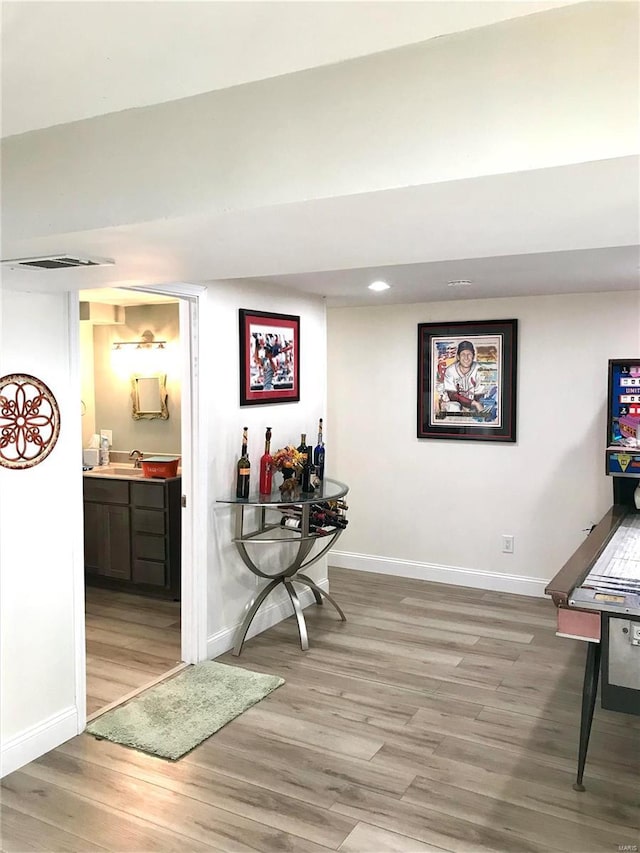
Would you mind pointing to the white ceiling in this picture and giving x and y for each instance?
(544, 231)
(64, 61)
(418, 238)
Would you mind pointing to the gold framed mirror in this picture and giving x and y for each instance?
(149, 396)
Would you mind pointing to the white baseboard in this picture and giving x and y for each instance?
(32, 743)
(272, 613)
(495, 581)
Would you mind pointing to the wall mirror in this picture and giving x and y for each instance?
(149, 396)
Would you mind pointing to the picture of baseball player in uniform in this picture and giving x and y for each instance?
(462, 383)
(465, 390)
(271, 366)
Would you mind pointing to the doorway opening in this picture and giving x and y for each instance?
(142, 622)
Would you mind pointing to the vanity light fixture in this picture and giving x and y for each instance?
(379, 286)
(147, 341)
(460, 282)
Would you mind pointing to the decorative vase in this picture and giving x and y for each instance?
(289, 482)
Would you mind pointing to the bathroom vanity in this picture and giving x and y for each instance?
(132, 531)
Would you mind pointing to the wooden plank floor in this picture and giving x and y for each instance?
(131, 640)
(436, 718)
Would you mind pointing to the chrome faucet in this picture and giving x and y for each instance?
(136, 455)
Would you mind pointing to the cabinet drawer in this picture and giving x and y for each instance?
(106, 491)
(148, 494)
(147, 521)
(149, 547)
(148, 572)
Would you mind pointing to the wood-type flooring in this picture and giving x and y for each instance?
(435, 718)
(131, 640)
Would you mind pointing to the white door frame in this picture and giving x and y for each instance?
(192, 306)
(194, 469)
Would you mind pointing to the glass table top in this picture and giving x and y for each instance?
(330, 490)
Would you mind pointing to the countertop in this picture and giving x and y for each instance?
(123, 471)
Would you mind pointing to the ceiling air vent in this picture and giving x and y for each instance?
(56, 262)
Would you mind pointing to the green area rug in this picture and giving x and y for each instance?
(172, 718)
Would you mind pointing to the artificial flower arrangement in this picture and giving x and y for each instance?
(287, 458)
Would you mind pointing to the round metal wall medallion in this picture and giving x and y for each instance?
(29, 421)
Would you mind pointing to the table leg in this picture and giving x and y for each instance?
(257, 601)
(318, 592)
(314, 589)
(589, 691)
(302, 625)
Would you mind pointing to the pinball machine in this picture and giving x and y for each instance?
(597, 591)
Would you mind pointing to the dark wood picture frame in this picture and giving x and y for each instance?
(467, 380)
(269, 358)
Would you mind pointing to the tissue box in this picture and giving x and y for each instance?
(91, 456)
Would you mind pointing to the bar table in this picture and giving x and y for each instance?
(249, 542)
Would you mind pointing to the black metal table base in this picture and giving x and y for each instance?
(589, 691)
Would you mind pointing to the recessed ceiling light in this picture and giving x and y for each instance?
(379, 285)
(460, 282)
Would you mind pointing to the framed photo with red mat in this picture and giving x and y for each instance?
(269, 358)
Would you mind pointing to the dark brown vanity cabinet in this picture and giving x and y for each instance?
(107, 552)
(155, 535)
(132, 535)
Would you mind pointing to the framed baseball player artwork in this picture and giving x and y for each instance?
(269, 357)
(467, 380)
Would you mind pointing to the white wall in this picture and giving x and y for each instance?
(41, 508)
(231, 584)
(437, 509)
(112, 377)
(40, 522)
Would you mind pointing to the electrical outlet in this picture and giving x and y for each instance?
(109, 434)
(507, 544)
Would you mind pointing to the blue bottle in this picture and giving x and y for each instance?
(319, 455)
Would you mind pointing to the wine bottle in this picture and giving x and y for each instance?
(243, 469)
(291, 509)
(339, 504)
(305, 451)
(325, 519)
(266, 474)
(292, 522)
(330, 512)
(318, 456)
(319, 514)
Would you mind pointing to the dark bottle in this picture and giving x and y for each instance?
(325, 518)
(330, 514)
(266, 474)
(243, 468)
(318, 456)
(305, 451)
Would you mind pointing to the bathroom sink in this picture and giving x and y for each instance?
(116, 471)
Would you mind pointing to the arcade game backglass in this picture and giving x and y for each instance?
(623, 418)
